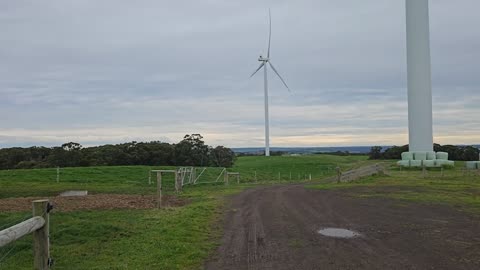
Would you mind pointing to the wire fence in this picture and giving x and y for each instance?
(16, 235)
(436, 173)
(8, 252)
(17, 247)
(213, 175)
(280, 174)
(13, 222)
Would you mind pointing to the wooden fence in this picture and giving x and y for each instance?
(38, 225)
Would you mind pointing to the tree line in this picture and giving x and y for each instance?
(191, 151)
(461, 153)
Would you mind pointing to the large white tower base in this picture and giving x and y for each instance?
(419, 76)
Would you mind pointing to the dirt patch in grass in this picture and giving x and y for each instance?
(92, 202)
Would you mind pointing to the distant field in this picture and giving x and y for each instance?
(318, 166)
(134, 179)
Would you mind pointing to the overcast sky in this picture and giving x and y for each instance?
(113, 71)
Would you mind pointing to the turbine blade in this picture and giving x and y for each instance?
(261, 65)
(276, 72)
(269, 33)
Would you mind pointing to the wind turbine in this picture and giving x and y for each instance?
(265, 62)
(420, 127)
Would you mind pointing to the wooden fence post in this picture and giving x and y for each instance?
(58, 174)
(178, 182)
(41, 241)
(255, 176)
(238, 178)
(159, 189)
(225, 177)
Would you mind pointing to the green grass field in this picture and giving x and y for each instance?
(454, 187)
(298, 167)
(134, 179)
(170, 238)
(183, 237)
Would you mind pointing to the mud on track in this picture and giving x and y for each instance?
(276, 228)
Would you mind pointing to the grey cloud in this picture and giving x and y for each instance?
(165, 68)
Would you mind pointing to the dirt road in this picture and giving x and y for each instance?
(276, 228)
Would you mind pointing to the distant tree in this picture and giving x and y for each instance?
(72, 154)
(57, 157)
(394, 152)
(160, 153)
(437, 147)
(454, 152)
(221, 156)
(461, 153)
(470, 153)
(26, 165)
(191, 151)
(39, 154)
(375, 152)
(71, 146)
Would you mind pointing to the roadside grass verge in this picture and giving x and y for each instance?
(453, 188)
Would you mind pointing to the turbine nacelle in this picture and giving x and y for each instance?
(263, 59)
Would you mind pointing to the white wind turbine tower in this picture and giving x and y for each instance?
(420, 131)
(265, 62)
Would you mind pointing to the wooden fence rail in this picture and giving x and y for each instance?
(38, 225)
(20, 230)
